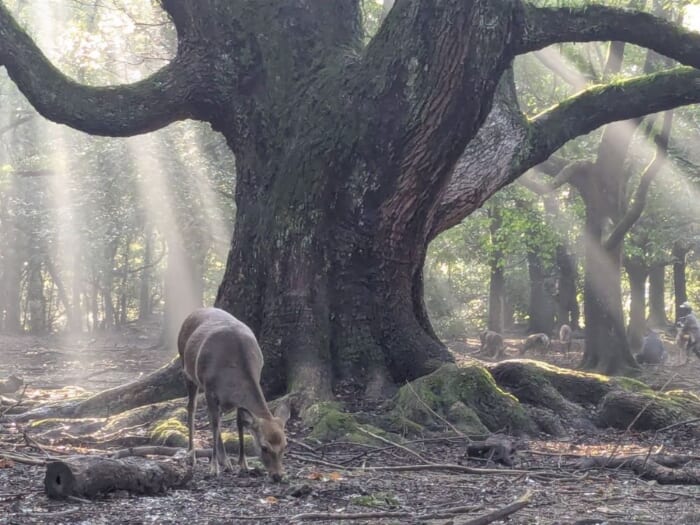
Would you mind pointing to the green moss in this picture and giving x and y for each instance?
(542, 384)
(170, 432)
(378, 500)
(631, 385)
(329, 422)
(469, 395)
(230, 440)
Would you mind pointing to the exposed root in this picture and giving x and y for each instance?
(646, 468)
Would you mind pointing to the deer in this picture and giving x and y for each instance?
(539, 341)
(565, 337)
(492, 343)
(221, 357)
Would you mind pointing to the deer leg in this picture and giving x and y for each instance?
(242, 463)
(215, 422)
(192, 392)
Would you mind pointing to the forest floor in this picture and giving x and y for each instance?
(334, 479)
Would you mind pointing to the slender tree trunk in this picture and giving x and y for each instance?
(497, 298)
(637, 278)
(657, 297)
(568, 311)
(76, 292)
(145, 305)
(36, 302)
(542, 307)
(680, 294)
(497, 281)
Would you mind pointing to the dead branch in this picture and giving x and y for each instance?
(25, 460)
(397, 445)
(644, 468)
(435, 414)
(518, 504)
(16, 404)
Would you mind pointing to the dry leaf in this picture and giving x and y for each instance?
(270, 500)
(6, 463)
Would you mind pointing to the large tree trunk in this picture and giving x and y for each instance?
(606, 342)
(657, 297)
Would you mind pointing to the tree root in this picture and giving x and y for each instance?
(660, 468)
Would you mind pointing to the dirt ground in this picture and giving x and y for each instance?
(320, 477)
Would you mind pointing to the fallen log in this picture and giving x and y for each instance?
(90, 476)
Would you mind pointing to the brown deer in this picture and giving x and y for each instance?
(221, 356)
(492, 343)
(536, 341)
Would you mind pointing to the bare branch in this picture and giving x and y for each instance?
(640, 195)
(546, 25)
(112, 111)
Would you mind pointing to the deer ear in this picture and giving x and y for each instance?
(282, 412)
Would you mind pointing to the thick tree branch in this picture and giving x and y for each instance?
(568, 173)
(507, 145)
(113, 111)
(600, 105)
(640, 195)
(546, 26)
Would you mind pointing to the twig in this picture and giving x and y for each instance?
(15, 405)
(302, 445)
(454, 429)
(22, 459)
(31, 442)
(522, 502)
(393, 444)
(680, 424)
(328, 516)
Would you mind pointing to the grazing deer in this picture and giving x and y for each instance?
(538, 341)
(565, 337)
(221, 356)
(492, 343)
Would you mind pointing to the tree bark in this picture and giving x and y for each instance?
(568, 311)
(637, 275)
(497, 281)
(541, 308)
(657, 297)
(91, 477)
(680, 294)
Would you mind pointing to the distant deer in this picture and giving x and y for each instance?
(492, 343)
(536, 341)
(565, 337)
(221, 356)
